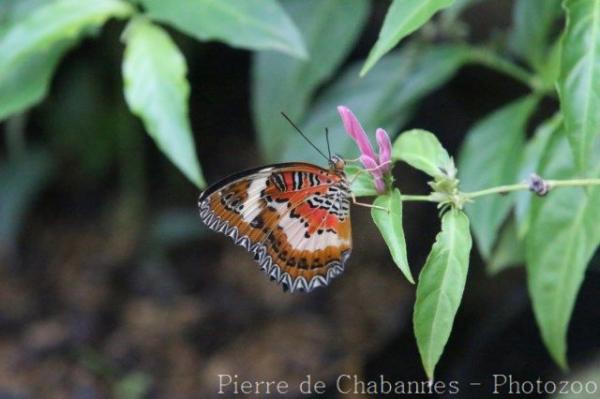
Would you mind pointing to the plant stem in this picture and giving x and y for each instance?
(573, 183)
(524, 186)
(422, 198)
(494, 61)
(497, 190)
(507, 189)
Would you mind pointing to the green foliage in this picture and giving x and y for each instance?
(402, 18)
(156, 89)
(489, 158)
(386, 99)
(284, 83)
(531, 162)
(422, 150)
(530, 40)
(362, 183)
(250, 24)
(509, 251)
(33, 44)
(441, 285)
(564, 236)
(304, 44)
(579, 82)
(390, 227)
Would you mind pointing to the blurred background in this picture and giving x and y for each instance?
(111, 287)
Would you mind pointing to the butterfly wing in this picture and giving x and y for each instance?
(294, 218)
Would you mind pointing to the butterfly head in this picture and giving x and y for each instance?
(337, 163)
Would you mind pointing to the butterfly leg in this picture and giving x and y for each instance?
(367, 170)
(355, 202)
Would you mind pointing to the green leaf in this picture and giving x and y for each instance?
(390, 227)
(421, 150)
(563, 237)
(384, 99)
(531, 163)
(157, 91)
(34, 43)
(579, 82)
(13, 11)
(490, 157)
(362, 182)
(510, 250)
(283, 83)
(532, 25)
(440, 289)
(27, 81)
(249, 24)
(402, 18)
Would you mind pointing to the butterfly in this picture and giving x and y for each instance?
(294, 217)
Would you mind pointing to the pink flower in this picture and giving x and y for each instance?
(378, 166)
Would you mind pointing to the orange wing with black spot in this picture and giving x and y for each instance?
(294, 218)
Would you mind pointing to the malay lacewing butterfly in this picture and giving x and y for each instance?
(293, 217)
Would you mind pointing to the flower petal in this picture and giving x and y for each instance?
(379, 185)
(375, 170)
(356, 131)
(385, 150)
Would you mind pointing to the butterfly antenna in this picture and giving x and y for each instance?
(303, 135)
(327, 139)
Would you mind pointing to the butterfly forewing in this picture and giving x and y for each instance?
(294, 218)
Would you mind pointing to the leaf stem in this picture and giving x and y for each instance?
(506, 189)
(574, 183)
(422, 198)
(497, 190)
(525, 186)
(493, 60)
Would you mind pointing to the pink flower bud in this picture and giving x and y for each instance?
(375, 170)
(385, 150)
(356, 131)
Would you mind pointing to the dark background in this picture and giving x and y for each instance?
(114, 289)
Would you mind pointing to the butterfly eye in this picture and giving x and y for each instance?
(337, 162)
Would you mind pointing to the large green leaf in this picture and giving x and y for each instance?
(421, 150)
(440, 289)
(579, 82)
(249, 24)
(563, 236)
(509, 251)
(157, 91)
(384, 99)
(390, 227)
(35, 41)
(490, 157)
(13, 11)
(535, 148)
(532, 25)
(402, 18)
(27, 81)
(283, 83)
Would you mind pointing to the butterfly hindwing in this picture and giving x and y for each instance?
(294, 217)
